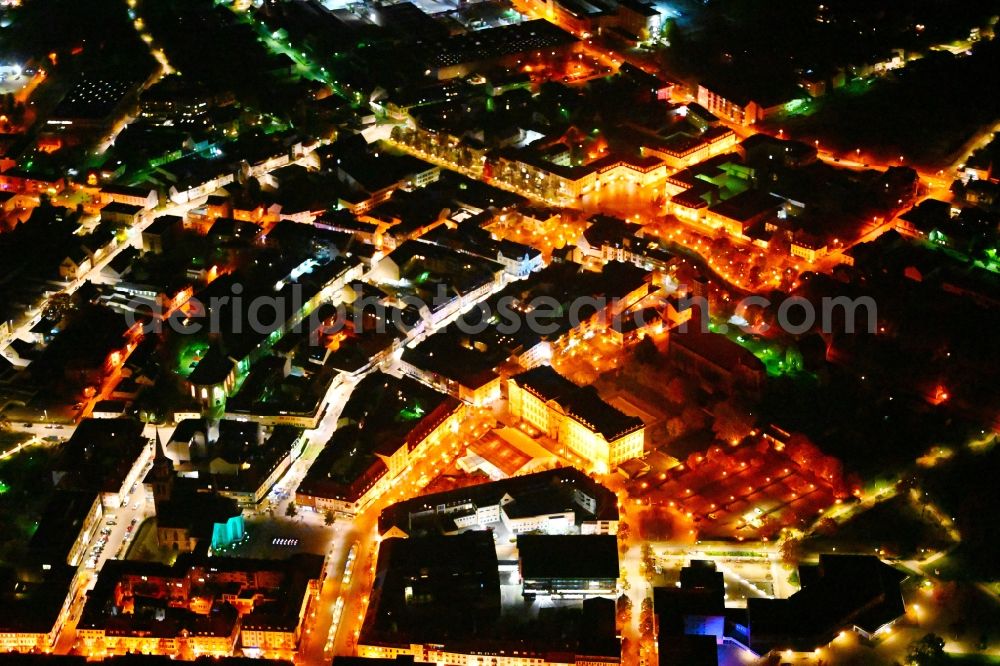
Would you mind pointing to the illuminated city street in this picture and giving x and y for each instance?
(541, 333)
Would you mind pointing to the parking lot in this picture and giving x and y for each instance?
(746, 492)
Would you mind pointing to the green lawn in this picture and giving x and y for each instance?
(894, 525)
(972, 660)
(144, 547)
(10, 439)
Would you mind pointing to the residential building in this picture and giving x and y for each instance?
(106, 456)
(68, 525)
(145, 197)
(33, 607)
(386, 425)
(202, 605)
(730, 102)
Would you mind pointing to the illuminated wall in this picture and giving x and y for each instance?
(628, 447)
(552, 420)
(228, 533)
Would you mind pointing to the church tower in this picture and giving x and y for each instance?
(160, 479)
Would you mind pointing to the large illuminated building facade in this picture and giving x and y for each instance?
(576, 417)
(388, 425)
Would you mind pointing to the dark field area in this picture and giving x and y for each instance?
(925, 112)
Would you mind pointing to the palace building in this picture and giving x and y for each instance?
(576, 416)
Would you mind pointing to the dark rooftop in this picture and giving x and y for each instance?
(99, 455)
(588, 557)
(494, 43)
(92, 99)
(563, 489)
(581, 402)
(844, 590)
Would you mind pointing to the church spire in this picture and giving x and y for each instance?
(161, 475)
(160, 454)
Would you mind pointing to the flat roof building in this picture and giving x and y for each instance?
(563, 500)
(568, 566)
(458, 55)
(841, 592)
(438, 599)
(92, 103)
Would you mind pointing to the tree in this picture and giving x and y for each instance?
(646, 618)
(677, 391)
(675, 427)
(694, 459)
(693, 417)
(624, 531)
(801, 450)
(779, 246)
(926, 651)
(291, 510)
(732, 422)
(830, 469)
(648, 562)
(57, 306)
(328, 518)
(826, 526)
(624, 609)
(790, 551)
(646, 351)
(793, 359)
